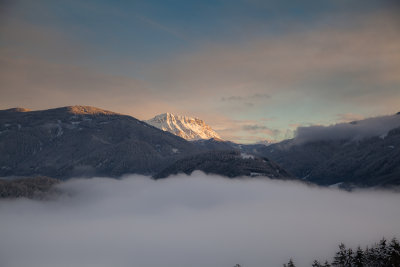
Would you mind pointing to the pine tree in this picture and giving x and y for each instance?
(316, 264)
(383, 253)
(340, 257)
(394, 249)
(359, 258)
(289, 264)
(380, 254)
(349, 257)
(371, 256)
(326, 264)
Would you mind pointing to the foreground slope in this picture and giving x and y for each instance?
(83, 141)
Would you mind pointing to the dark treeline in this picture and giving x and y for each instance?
(382, 254)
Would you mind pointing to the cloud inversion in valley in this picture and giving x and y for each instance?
(196, 221)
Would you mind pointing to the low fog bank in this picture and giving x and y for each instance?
(198, 220)
(378, 126)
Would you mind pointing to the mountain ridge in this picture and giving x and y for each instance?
(83, 141)
(230, 163)
(361, 153)
(75, 109)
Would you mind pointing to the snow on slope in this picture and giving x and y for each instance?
(185, 127)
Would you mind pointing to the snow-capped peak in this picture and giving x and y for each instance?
(185, 127)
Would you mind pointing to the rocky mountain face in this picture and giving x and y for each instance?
(367, 161)
(228, 163)
(185, 127)
(83, 141)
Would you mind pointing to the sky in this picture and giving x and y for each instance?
(254, 70)
(137, 221)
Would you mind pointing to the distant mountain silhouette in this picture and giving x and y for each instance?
(227, 163)
(83, 141)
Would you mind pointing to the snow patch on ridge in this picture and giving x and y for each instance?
(246, 156)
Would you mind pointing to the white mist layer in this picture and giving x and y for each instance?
(192, 221)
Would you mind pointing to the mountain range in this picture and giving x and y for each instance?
(358, 153)
(83, 141)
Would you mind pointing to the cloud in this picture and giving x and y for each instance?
(255, 128)
(248, 101)
(377, 126)
(258, 95)
(249, 97)
(352, 65)
(39, 84)
(349, 117)
(246, 131)
(232, 98)
(162, 27)
(22, 37)
(342, 63)
(190, 221)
